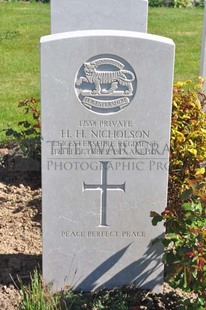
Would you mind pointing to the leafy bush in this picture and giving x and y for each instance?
(185, 238)
(182, 3)
(156, 3)
(188, 133)
(28, 137)
(198, 3)
(176, 3)
(185, 247)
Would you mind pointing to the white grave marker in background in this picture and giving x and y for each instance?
(203, 49)
(71, 15)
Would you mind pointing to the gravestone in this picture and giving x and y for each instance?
(106, 108)
(203, 49)
(71, 15)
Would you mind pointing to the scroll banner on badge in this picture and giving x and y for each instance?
(117, 103)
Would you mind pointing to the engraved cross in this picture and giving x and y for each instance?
(103, 187)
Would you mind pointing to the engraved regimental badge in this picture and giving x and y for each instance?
(105, 84)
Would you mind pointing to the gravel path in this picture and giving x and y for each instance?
(20, 231)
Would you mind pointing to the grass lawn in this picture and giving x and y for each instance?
(184, 26)
(22, 25)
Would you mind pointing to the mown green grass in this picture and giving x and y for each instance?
(22, 25)
(184, 26)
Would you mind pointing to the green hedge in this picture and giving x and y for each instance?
(176, 3)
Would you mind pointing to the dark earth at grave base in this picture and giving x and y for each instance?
(21, 242)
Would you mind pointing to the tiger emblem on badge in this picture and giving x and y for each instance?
(105, 84)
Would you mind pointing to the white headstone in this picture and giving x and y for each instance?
(106, 130)
(71, 15)
(203, 49)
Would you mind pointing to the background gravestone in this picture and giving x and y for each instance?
(203, 49)
(71, 15)
(106, 128)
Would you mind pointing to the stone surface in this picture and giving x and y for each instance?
(203, 49)
(105, 127)
(71, 15)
